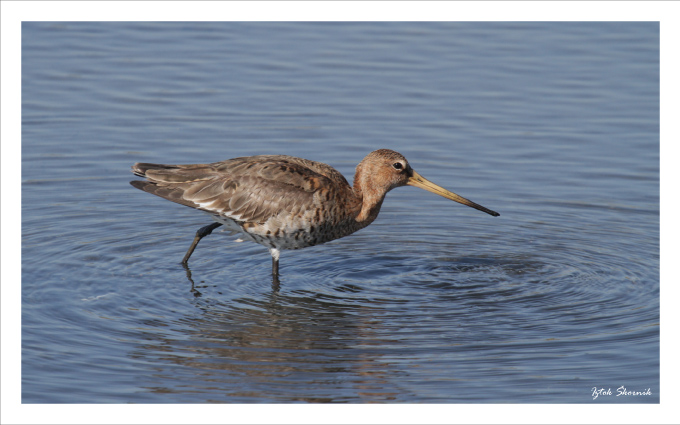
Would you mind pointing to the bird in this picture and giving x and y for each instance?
(284, 202)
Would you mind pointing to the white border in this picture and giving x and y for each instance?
(12, 13)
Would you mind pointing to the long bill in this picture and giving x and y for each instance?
(419, 181)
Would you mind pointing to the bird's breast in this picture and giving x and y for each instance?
(327, 218)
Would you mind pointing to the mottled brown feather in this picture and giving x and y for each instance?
(251, 188)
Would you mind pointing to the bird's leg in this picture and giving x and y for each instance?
(200, 234)
(275, 262)
(275, 267)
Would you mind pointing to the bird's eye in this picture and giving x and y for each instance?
(398, 165)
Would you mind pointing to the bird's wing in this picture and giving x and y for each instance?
(250, 189)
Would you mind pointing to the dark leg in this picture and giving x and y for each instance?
(200, 234)
(275, 267)
(276, 284)
(275, 262)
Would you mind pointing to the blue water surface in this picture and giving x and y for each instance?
(554, 125)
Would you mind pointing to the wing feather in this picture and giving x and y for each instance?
(249, 189)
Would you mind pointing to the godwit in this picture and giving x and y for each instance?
(284, 202)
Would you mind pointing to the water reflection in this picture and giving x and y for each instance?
(276, 284)
(297, 346)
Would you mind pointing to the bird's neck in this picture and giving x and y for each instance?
(370, 199)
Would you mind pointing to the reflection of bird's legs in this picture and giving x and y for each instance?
(200, 234)
(193, 285)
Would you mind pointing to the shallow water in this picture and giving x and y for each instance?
(554, 125)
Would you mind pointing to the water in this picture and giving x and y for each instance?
(554, 125)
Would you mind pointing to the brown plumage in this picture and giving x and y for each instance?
(284, 202)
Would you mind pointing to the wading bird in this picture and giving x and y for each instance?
(284, 202)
